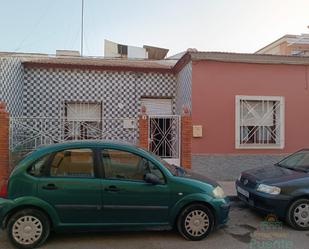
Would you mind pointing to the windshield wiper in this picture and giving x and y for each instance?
(302, 170)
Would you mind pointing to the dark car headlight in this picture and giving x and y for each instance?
(273, 190)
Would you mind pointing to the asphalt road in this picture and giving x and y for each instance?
(246, 229)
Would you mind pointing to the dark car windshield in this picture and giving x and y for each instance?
(298, 161)
(175, 170)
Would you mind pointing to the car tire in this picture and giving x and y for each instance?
(28, 228)
(298, 214)
(195, 222)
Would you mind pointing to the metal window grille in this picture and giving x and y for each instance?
(164, 135)
(260, 122)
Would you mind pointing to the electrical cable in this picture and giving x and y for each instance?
(35, 26)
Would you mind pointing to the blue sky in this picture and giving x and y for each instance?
(208, 25)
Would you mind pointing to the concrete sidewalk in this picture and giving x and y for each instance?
(229, 188)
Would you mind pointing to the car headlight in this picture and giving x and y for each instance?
(218, 192)
(239, 177)
(273, 190)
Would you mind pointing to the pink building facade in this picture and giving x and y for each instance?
(247, 110)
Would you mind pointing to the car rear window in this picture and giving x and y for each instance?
(38, 168)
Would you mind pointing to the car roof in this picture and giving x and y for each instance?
(85, 143)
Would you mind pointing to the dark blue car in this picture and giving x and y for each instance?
(281, 189)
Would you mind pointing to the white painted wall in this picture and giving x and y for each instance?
(157, 106)
(137, 53)
(111, 49)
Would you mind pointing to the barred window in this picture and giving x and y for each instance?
(259, 122)
(83, 120)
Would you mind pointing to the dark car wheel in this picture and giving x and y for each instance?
(298, 214)
(195, 222)
(28, 228)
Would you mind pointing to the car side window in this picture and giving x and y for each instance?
(38, 168)
(73, 163)
(126, 165)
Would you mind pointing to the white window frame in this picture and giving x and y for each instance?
(238, 145)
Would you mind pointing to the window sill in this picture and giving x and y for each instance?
(259, 147)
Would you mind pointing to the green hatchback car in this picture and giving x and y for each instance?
(106, 185)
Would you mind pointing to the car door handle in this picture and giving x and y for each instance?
(50, 186)
(112, 189)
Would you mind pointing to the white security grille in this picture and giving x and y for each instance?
(259, 122)
(164, 137)
(29, 133)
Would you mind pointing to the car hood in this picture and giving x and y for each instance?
(195, 176)
(272, 174)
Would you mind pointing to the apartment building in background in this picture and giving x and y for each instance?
(297, 45)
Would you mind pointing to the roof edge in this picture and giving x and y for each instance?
(240, 58)
(30, 64)
(182, 62)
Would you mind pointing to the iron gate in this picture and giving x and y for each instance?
(29, 133)
(164, 137)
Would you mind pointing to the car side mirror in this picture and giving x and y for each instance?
(151, 178)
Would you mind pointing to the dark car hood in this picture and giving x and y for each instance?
(273, 174)
(192, 175)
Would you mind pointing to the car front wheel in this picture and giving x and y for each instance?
(28, 228)
(298, 214)
(195, 222)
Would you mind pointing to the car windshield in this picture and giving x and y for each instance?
(298, 161)
(174, 169)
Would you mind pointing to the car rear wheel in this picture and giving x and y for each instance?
(195, 222)
(28, 228)
(298, 214)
